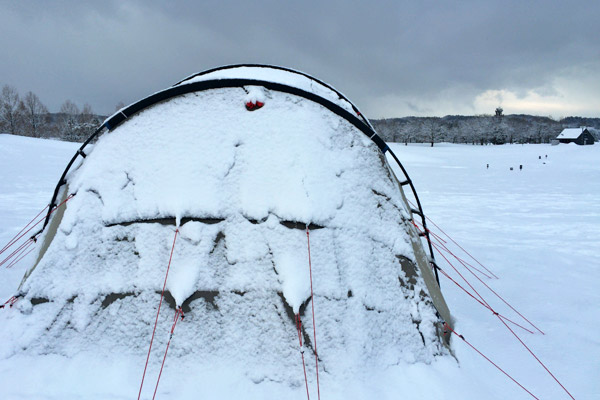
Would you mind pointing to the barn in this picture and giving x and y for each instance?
(581, 136)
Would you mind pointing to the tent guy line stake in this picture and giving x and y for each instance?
(312, 303)
(162, 293)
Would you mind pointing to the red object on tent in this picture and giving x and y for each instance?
(251, 106)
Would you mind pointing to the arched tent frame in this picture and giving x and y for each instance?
(357, 119)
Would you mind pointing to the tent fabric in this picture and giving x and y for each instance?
(240, 187)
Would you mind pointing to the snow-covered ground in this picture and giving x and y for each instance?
(538, 229)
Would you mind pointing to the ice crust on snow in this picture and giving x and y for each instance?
(241, 185)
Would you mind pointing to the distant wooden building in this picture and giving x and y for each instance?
(581, 136)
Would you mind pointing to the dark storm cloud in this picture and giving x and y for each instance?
(392, 58)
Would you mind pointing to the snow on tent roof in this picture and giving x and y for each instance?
(277, 75)
(244, 191)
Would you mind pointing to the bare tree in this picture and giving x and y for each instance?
(88, 122)
(86, 115)
(68, 122)
(10, 116)
(432, 130)
(34, 115)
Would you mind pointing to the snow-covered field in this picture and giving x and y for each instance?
(537, 228)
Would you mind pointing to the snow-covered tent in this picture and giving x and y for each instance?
(229, 178)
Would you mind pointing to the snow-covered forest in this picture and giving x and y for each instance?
(481, 129)
(26, 115)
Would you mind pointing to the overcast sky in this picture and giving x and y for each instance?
(391, 58)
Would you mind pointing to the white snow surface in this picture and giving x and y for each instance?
(277, 76)
(537, 229)
(236, 184)
(570, 133)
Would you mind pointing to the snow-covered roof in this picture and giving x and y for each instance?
(571, 133)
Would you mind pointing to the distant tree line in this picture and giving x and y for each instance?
(28, 116)
(480, 129)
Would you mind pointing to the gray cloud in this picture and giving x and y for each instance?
(391, 58)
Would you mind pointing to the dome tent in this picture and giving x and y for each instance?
(241, 162)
